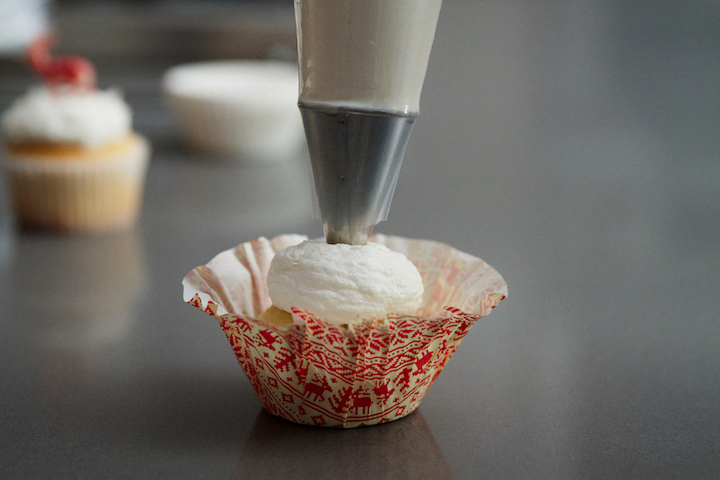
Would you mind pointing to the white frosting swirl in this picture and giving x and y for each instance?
(87, 118)
(339, 282)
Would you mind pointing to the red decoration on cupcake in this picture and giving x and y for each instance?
(64, 70)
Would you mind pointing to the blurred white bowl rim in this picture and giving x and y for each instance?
(244, 108)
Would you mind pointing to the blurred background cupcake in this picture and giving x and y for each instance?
(72, 160)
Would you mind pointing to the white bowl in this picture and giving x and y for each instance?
(241, 108)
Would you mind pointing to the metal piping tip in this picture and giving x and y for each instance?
(354, 236)
(355, 157)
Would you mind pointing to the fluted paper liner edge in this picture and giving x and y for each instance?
(316, 372)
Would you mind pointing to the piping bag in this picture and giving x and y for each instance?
(362, 64)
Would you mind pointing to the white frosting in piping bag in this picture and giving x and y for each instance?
(369, 54)
(339, 282)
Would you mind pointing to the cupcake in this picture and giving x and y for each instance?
(343, 367)
(71, 159)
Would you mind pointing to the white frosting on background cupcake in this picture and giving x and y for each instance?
(339, 282)
(87, 118)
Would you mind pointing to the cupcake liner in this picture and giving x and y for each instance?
(82, 195)
(372, 371)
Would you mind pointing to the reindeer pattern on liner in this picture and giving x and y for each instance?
(348, 399)
(298, 375)
(316, 390)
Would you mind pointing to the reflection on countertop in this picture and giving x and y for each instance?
(78, 293)
(404, 448)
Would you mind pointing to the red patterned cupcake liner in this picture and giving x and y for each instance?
(316, 372)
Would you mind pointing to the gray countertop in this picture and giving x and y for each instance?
(575, 146)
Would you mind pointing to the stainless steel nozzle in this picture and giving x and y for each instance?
(355, 157)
